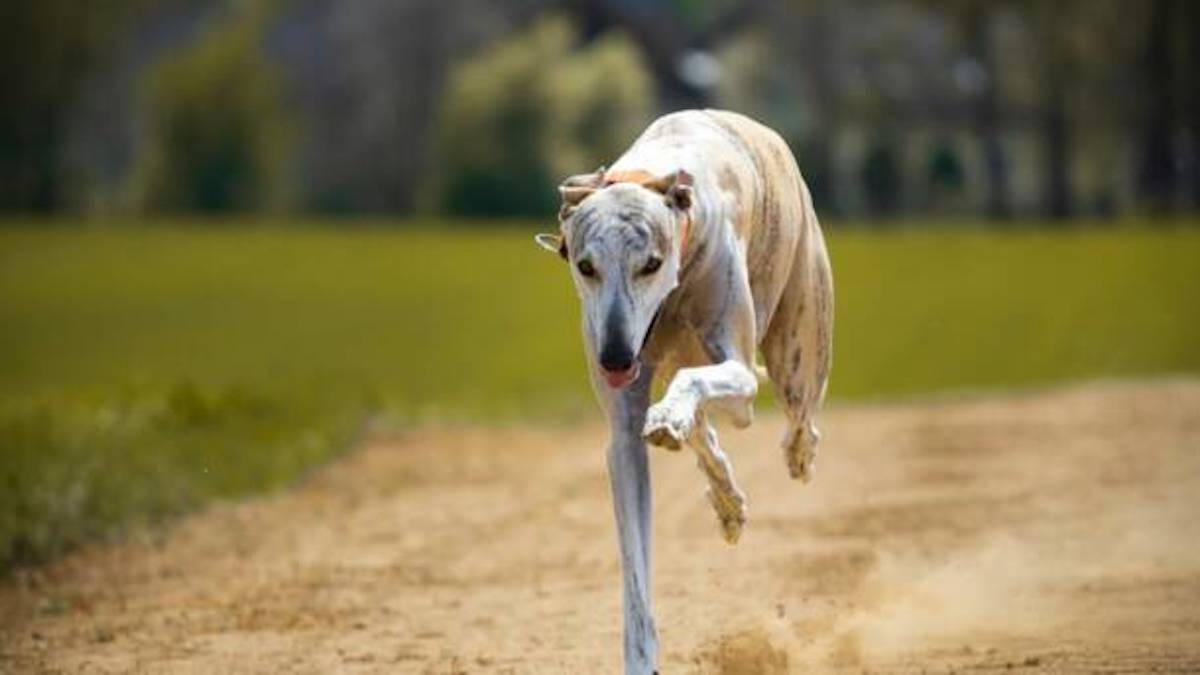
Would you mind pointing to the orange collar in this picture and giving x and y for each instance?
(646, 179)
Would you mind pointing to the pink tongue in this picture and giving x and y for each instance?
(619, 378)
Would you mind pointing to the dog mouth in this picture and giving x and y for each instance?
(619, 379)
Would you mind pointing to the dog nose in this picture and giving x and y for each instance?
(616, 359)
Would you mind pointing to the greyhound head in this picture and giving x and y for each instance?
(623, 235)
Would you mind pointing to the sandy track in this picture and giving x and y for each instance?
(1052, 532)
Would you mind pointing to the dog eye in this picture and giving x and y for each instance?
(652, 265)
(586, 268)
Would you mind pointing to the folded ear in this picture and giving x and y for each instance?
(577, 188)
(676, 187)
(555, 243)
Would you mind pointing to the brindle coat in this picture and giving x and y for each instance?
(753, 274)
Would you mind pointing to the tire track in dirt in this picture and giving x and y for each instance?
(1049, 532)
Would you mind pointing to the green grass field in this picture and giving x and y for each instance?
(146, 370)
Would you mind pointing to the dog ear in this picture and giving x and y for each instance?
(676, 187)
(555, 243)
(577, 188)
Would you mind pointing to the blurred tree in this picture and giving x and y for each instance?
(676, 38)
(815, 50)
(520, 116)
(976, 19)
(367, 77)
(602, 100)
(976, 76)
(1157, 175)
(1084, 54)
(218, 133)
(1188, 27)
(1057, 144)
(49, 48)
(882, 179)
(1057, 67)
(946, 176)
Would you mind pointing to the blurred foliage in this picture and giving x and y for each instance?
(143, 371)
(882, 179)
(49, 49)
(947, 178)
(479, 106)
(527, 112)
(218, 135)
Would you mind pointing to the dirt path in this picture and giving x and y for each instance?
(1050, 532)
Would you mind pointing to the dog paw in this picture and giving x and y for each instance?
(731, 512)
(801, 464)
(667, 426)
(800, 451)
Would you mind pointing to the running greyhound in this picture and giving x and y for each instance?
(697, 248)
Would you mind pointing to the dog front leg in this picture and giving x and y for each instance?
(629, 474)
(682, 417)
(729, 385)
(727, 500)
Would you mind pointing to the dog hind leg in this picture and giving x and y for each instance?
(797, 349)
